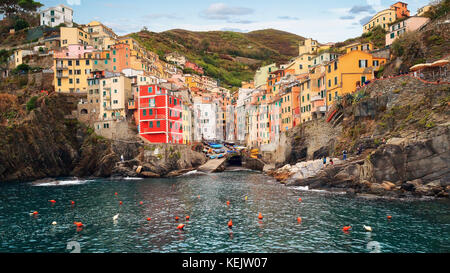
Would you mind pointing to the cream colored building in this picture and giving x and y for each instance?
(115, 91)
(102, 37)
(308, 46)
(262, 74)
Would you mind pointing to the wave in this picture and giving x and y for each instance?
(194, 172)
(62, 183)
(306, 188)
(133, 178)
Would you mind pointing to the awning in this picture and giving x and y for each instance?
(440, 63)
(419, 67)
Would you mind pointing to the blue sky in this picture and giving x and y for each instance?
(323, 20)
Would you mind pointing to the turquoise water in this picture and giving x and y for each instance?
(416, 226)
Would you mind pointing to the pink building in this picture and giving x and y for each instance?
(73, 52)
(410, 24)
(194, 67)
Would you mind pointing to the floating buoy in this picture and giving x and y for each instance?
(299, 219)
(120, 203)
(300, 200)
(72, 202)
(181, 226)
(177, 218)
(389, 217)
(230, 224)
(116, 217)
(198, 197)
(260, 217)
(141, 203)
(246, 198)
(78, 224)
(346, 229)
(52, 201)
(54, 223)
(148, 219)
(34, 213)
(367, 228)
(187, 218)
(228, 203)
(115, 193)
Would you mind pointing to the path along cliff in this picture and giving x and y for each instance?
(400, 125)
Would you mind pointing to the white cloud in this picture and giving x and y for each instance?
(221, 11)
(74, 2)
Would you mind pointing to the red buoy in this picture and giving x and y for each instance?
(346, 229)
(120, 203)
(52, 201)
(115, 193)
(300, 200)
(78, 224)
(299, 219)
(148, 219)
(181, 226)
(230, 224)
(35, 213)
(141, 203)
(260, 217)
(177, 218)
(187, 218)
(228, 203)
(72, 202)
(389, 217)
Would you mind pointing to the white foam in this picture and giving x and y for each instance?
(63, 183)
(133, 178)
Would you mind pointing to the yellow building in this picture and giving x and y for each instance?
(73, 70)
(306, 94)
(349, 72)
(308, 46)
(74, 36)
(385, 17)
(193, 80)
(423, 10)
(187, 124)
(102, 37)
(367, 47)
(302, 63)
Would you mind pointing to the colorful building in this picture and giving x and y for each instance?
(385, 17)
(160, 115)
(102, 37)
(407, 25)
(74, 36)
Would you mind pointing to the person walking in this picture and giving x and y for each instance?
(344, 153)
(324, 160)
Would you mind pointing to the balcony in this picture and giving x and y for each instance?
(61, 76)
(61, 67)
(316, 98)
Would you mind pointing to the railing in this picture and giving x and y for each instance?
(316, 98)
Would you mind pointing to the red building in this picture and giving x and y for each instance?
(194, 67)
(160, 115)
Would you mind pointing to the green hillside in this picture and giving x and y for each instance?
(231, 57)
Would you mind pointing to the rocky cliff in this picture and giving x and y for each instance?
(41, 139)
(401, 126)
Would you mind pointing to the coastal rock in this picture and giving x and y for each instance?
(376, 188)
(388, 185)
(150, 175)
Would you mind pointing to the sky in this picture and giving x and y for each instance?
(322, 20)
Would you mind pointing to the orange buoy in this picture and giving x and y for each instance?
(120, 203)
(389, 217)
(181, 226)
(260, 217)
(78, 224)
(52, 201)
(230, 224)
(345, 229)
(187, 218)
(228, 203)
(300, 200)
(177, 218)
(148, 219)
(299, 219)
(35, 213)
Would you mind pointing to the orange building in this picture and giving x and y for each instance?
(401, 10)
(120, 57)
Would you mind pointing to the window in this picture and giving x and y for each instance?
(363, 63)
(392, 35)
(335, 80)
(151, 124)
(158, 124)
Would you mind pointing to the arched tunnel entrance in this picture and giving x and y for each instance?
(234, 161)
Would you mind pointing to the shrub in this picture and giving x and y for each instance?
(20, 24)
(31, 104)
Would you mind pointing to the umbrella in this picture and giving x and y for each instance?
(440, 63)
(419, 67)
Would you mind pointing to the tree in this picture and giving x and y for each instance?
(20, 24)
(10, 7)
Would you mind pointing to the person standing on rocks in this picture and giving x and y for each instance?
(344, 153)
(324, 160)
